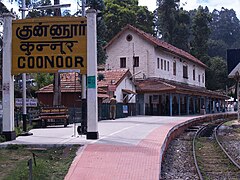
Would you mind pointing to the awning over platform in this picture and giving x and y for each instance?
(128, 91)
(158, 85)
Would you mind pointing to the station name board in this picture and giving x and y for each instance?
(49, 44)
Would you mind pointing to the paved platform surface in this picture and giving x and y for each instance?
(127, 148)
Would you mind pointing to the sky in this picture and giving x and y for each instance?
(193, 4)
(151, 4)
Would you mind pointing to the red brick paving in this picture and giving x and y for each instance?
(120, 162)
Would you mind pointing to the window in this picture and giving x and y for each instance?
(129, 37)
(123, 62)
(185, 71)
(174, 68)
(136, 61)
(194, 73)
(198, 78)
(203, 78)
(165, 65)
(161, 63)
(158, 63)
(168, 65)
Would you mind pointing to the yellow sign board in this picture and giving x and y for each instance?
(49, 44)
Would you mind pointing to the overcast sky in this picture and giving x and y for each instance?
(151, 4)
(193, 4)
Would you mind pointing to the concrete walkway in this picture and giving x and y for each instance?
(127, 149)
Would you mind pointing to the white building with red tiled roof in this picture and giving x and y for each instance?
(141, 52)
(169, 81)
(118, 82)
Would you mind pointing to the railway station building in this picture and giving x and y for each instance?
(169, 81)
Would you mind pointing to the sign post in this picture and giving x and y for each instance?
(92, 105)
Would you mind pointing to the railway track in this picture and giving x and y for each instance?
(211, 160)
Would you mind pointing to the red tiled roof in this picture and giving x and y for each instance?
(70, 83)
(113, 77)
(159, 43)
(156, 85)
(66, 86)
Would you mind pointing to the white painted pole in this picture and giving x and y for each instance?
(92, 105)
(7, 81)
(24, 88)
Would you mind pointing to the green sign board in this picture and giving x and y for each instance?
(91, 82)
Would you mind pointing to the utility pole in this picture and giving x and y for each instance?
(83, 7)
(57, 80)
(84, 88)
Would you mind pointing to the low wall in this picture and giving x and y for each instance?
(178, 129)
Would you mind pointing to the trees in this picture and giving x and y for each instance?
(216, 75)
(39, 13)
(225, 32)
(182, 31)
(201, 33)
(99, 6)
(173, 23)
(3, 8)
(167, 22)
(225, 26)
(118, 14)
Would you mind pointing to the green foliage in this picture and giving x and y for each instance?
(217, 74)
(99, 6)
(51, 163)
(166, 21)
(217, 48)
(39, 13)
(3, 8)
(15, 147)
(182, 31)
(95, 4)
(201, 33)
(173, 23)
(43, 79)
(118, 14)
(225, 26)
(2, 138)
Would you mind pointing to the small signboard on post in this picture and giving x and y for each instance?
(30, 102)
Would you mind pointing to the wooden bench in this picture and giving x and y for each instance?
(54, 115)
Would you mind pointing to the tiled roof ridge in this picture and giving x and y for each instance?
(175, 82)
(160, 43)
(167, 45)
(45, 87)
(115, 70)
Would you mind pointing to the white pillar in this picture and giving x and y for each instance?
(92, 105)
(7, 81)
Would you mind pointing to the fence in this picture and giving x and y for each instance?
(122, 111)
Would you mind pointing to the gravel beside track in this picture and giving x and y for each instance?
(178, 162)
(229, 136)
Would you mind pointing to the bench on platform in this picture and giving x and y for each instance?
(54, 115)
